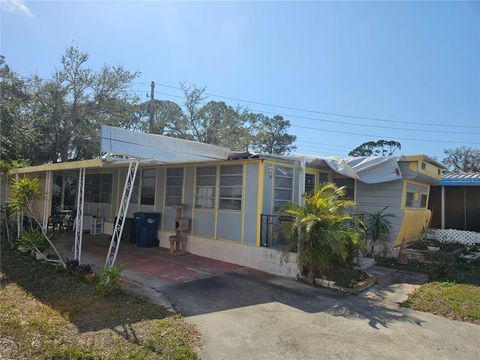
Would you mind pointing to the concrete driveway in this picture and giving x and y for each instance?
(247, 314)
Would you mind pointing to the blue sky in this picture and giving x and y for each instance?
(416, 62)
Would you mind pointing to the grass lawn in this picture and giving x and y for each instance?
(454, 301)
(47, 314)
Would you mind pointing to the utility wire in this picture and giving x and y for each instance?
(322, 112)
(358, 134)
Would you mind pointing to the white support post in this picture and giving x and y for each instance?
(79, 218)
(122, 213)
(46, 200)
(443, 207)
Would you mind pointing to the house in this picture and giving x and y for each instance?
(231, 199)
(455, 202)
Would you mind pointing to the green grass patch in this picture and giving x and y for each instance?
(46, 313)
(454, 301)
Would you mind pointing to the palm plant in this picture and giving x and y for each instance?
(24, 194)
(322, 231)
(378, 228)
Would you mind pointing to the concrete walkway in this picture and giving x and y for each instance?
(246, 314)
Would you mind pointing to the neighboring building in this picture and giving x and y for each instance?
(455, 203)
(227, 199)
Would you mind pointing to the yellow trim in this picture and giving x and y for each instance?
(72, 165)
(164, 196)
(404, 192)
(279, 163)
(259, 198)
(208, 163)
(416, 182)
(413, 166)
(183, 189)
(413, 222)
(244, 191)
(194, 197)
(217, 200)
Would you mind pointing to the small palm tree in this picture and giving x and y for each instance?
(24, 194)
(322, 231)
(378, 228)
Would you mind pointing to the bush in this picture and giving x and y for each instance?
(110, 280)
(32, 240)
(75, 268)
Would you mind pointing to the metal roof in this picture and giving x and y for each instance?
(462, 179)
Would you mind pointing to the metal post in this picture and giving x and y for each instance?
(48, 179)
(79, 218)
(443, 207)
(122, 213)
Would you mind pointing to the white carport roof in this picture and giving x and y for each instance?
(122, 146)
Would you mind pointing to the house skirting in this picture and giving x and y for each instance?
(260, 258)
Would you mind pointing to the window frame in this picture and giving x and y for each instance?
(213, 175)
(276, 188)
(241, 186)
(406, 199)
(142, 186)
(101, 184)
(423, 196)
(167, 186)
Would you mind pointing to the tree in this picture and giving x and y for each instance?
(58, 119)
(462, 159)
(376, 148)
(24, 195)
(16, 133)
(378, 228)
(321, 231)
(272, 135)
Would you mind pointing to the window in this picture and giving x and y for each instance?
(174, 190)
(409, 199)
(231, 187)
(98, 188)
(322, 178)
(309, 183)
(283, 187)
(135, 190)
(424, 166)
(423, 200)
(349, 185)
(206, 187)
(149, 177)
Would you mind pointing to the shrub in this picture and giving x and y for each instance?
(32, 240)
(323, 231)
(110, 279)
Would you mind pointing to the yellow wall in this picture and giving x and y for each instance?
(414, 220)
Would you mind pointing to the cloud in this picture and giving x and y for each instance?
(15, 5)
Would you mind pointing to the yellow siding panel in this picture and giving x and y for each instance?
(414, 220)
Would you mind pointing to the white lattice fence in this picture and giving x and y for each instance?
(456, 236)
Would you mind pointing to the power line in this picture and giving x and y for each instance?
(385, 137)
(324, 112)
(360, 134)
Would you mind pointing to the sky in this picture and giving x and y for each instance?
(408, 71)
